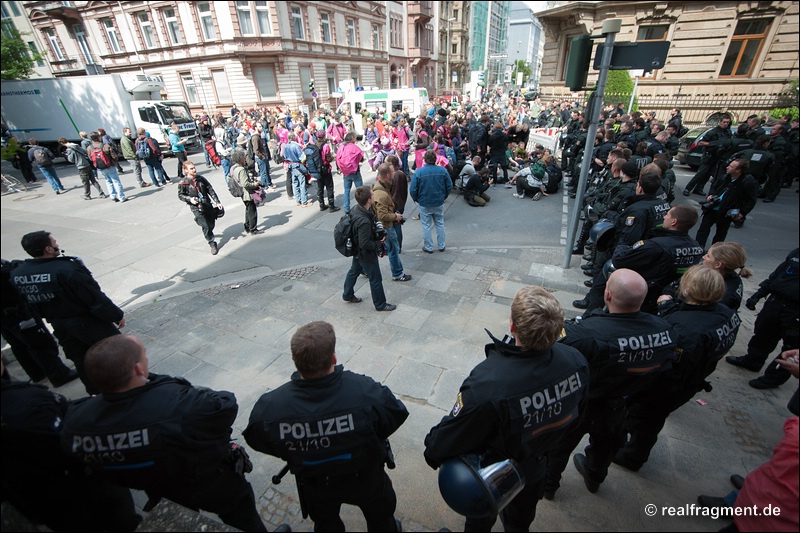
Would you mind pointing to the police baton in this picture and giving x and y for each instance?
(276, 479)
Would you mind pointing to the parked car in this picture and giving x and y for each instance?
(689, 153)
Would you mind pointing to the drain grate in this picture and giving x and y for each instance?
(297, 273)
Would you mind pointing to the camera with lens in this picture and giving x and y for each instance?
(711, 204)
(380, 231)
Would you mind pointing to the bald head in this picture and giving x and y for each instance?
(625, 291)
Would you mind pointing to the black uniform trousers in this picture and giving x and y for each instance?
(603, 422)
(76, 336)
(596, 295)
(708, 166)
(710, 219)
(34, 348)
(520, 512)
(230, 496)
(369, 489)
(206, 220)
(777, 320)
(325, 181)
(772, 187)
(646, 415)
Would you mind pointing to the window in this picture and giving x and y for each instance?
(265, 82)
(454, 48)
(746, 43)
(428, 42)
(417, 35)
(305, 77)
(262, 17)
(113, 38)
(189, 88)
(7, 23)
(147, 30)
(34, 53)
(297, 23)
(325, 23)
(222, 87)
(379, 77)
(206, 21)
(83, 44)
(652, 33)
(376, 37)
(53, 40)
(330, 74)
(396, 31)
(15, 9)
(354, 74)
(245, 18)
(455, 14)
(173, 29)
(351, 32)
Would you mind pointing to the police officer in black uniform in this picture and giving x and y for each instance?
(40, 480)
(705, 330)
(778, 319)
(63, 291)
(330, 425)
(161, 435)
(665, 256)
(626, 349)
(638, 216)
(731, 197)
(712, 142)
(34, 347)
(516, 404)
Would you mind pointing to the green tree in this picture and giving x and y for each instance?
(17, 60)
(619, 88)
(521, 66)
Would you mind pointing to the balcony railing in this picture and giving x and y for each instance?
(420, 9)
(73, 64)
(63, 11)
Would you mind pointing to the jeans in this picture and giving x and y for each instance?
(181, 157)
(425, 215)
(393, 251)
(113, 183)
(349, 181)
(263, 170)
(299, 185)
(88, 179)
(154, 163)
(50, 174)
(226, 166)
(373, 270)
(403, 161)
(205, 153)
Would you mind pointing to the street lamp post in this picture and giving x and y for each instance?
(447, 65)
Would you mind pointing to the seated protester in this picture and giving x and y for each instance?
(476, 186)
(553, 173)
(530, 179)
(520, 154)
(512, 162)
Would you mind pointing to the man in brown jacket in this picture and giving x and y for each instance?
(383, 207)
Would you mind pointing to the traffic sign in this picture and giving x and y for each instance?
(314, 94)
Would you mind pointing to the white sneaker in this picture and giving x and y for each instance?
(520, 196)
(537, 197)
(509, 186)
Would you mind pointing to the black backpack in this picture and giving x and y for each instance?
(343, 234)
(554, 177)
(313, 159)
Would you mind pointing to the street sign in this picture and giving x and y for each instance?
(314, 94)
(498, 56)
(626, 56)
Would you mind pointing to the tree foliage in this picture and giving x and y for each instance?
(521, 66)
(619, 88)
(17, 59)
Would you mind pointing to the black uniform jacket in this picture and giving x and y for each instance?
(516, 404)
(782, 283)
(329, 426)
(625, 350)
(638, 216)
(62, 289)
(163, 437)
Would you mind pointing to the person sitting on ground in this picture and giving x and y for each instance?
(529, 179)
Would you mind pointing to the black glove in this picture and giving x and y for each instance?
(752, 301)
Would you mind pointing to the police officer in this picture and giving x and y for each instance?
(665, 256)
(638, 216)
(626, 349)
(63, 291)
(516, 404)
(759, 158)
(330, 425)
(712, 141)
(40, 480)
(705, 330)
(32, 344)
(778, 319)
(161, 435)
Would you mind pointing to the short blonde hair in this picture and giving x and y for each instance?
(538, 317)
(701, 285)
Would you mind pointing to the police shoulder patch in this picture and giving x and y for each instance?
(458, 406)
(638, 244)
(629, 221)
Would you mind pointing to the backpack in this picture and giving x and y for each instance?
(100, 158)
(313, 159)
(41, 158)
(554, 177)
(683, 130)
(234, 187)
(212, 151)
(342, 233)
(278, 155)
(143, 150)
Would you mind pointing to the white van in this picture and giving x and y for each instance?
(383, 102)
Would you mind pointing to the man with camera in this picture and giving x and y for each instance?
(731, 197)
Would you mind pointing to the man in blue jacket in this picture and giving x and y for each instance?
(429, 188)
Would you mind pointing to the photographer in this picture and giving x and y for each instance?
(732, 196)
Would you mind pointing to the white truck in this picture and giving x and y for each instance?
(50, 108)
(384, 102)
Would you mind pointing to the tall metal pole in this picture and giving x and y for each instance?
(633, 94)
(447, 66)
(610, 29)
